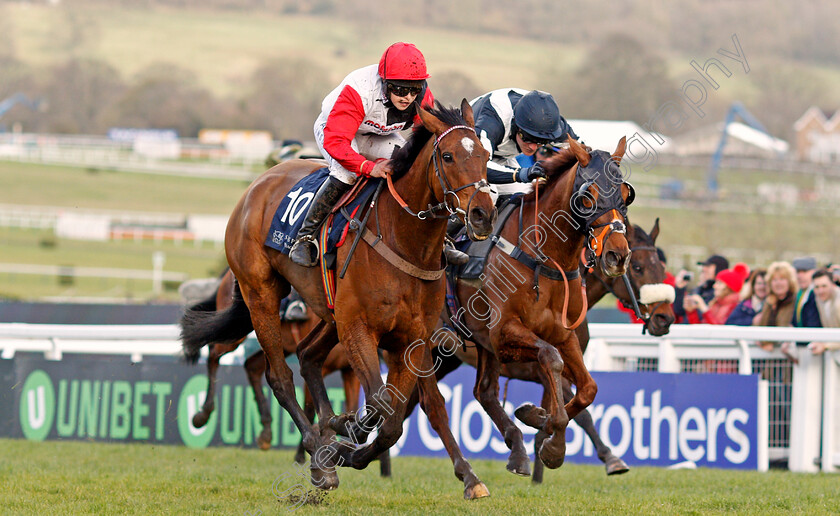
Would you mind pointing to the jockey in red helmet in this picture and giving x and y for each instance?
(359, 128)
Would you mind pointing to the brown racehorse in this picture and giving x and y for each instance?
(255, 369)
(443, 166)
(531, 321)
(645, 270)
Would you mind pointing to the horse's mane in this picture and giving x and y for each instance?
(554, 167)
(404, 157)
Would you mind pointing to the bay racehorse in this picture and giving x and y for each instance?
(255, 367)
(647, 275)
(377, 304)
(517, 318)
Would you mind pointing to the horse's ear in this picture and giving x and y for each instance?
(430, 121)
(655, 231)
(619, 151)
(580, 153)
(467, 113)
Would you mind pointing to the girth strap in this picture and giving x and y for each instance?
(521, 256)
(398, 262)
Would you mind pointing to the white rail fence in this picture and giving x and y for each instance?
(804, 398)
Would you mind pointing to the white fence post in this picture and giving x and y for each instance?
(805, 407)
(668, 361)
(831, 413)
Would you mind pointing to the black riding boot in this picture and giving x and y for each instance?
(453, 256)
(304, 252)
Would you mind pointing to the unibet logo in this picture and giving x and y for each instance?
(37, 406)
(190, 402)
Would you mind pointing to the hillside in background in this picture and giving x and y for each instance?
(267, 64)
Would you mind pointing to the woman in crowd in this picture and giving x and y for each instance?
(752, 298)
(779, 305)
(727, 285)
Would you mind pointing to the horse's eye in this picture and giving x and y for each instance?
(447, 157)
(637, 268)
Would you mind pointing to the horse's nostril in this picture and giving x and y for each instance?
(611, 258)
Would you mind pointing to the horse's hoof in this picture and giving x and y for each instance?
(264, 440)
(477, 491)
(324, 480)
(520, 466)
(531, 415)
(553, 451)
(200, 419)
(616, 466)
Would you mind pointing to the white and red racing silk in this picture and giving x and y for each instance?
(358, 106)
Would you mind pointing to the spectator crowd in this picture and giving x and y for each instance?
(798, 294)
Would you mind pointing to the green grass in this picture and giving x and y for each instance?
(40, 247)
(47, 185)
(82, 477)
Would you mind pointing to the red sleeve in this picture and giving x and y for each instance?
(427, 102)
(693, 317)
(344, 120)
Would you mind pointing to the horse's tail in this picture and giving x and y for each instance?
(202, 324)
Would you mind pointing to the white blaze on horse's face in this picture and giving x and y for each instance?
(468, 144)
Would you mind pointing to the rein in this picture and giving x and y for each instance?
(563, 316)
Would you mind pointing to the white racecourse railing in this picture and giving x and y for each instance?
(804, 399)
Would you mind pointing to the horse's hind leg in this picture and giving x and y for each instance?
(264, 303)
(255, 369)
(486, 391)
(433, 405)
(312, 351)
(614, 465)
(309, 410)
(215, 352)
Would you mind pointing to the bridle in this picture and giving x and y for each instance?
(632, 290)
(444, 209)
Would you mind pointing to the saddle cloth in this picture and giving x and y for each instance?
(291, 212)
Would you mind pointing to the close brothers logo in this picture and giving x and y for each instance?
(37, 406)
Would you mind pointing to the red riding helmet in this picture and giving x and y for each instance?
(403, 62)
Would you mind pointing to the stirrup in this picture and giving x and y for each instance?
(296, 311)
(301, 251)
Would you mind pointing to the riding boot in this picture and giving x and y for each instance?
(295, 308)
(453, 255)
(304, 252)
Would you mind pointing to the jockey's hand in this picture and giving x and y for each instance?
(535, 171)
(382, 169)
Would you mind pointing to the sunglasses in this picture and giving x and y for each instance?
(404, 91)
(527, 138)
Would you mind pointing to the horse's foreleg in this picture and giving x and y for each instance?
(519, 344)
(215, 352)
(351, 404)
(432, 403)
(486, 391)
(577, 372)
(361, 346)
(255, 369)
